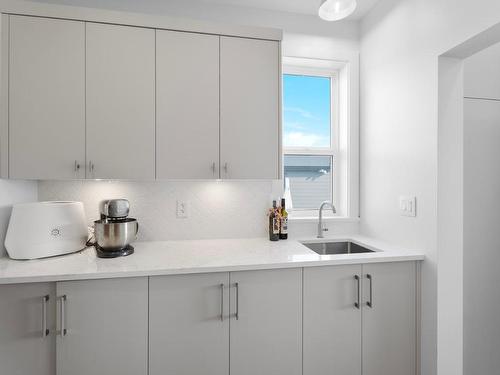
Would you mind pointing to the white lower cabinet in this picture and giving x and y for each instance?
(189, 324)
(27, 335)
(367, 328)
(389, 318)
(266, 324)
(332, 320)
(215, 324)
(103, 327)
(341, 320)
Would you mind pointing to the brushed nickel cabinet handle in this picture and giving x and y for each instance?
(213, 168)
(45, 329)
(358, 287)
(226, 168)
(370, 302)
(237, 313)
(77, 166)
(64, 331)
(221, 302)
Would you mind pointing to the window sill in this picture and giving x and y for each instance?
(311, 219)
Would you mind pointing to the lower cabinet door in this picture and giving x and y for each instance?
(266, 322)
(389, 318)
(103, 327)
(189, 324)
(332, 320)
(27, 337)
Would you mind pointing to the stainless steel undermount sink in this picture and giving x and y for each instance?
(331, 248)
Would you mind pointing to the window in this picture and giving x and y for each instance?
(320, 135)
(310, 136)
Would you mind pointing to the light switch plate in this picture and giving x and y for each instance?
(408, 206)
(182, 209)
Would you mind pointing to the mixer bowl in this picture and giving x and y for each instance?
(115, 235)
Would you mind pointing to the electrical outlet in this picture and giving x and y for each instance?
(408, 206)
(182, 209)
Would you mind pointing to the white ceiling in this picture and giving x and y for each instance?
(293, 6)
(307, 7)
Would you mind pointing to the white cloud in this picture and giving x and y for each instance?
(302, 112)
(295, 126)
(299, 139)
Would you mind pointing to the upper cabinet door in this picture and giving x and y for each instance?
(187, 111)
(46, 98)
(120, 102)
(250, 100)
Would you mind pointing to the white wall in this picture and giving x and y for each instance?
(400, 45)
(481, 277)
(450, 216)
(482, 74)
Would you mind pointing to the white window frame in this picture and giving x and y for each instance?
(344, 147)
(331, 151)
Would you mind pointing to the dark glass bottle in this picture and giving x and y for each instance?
(274, 223)
(283, 221)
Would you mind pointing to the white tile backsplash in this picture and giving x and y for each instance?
(217, 209)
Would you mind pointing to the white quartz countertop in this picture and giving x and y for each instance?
(197, 256)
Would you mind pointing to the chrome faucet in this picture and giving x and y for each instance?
(320, 222)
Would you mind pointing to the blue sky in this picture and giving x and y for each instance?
(306, 111)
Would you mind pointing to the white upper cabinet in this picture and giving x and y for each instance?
(46, 98)
(187, 105)
(103, 101)
(120, 102)
(249, 108)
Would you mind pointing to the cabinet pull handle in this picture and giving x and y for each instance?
(45, 329)
(370, 302)
(91, 167)
(226, 167)
(237, 313)
(358, 287)
(64, 331)
(77, 166)
(213, 168)
(221, 302)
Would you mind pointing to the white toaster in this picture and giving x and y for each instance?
(44, 229)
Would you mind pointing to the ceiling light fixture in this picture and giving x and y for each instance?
(334, 10)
